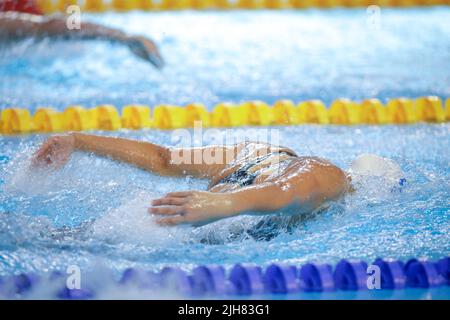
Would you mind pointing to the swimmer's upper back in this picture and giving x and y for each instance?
(312, 174)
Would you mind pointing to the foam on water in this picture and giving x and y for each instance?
(93, 212)
(239, 55)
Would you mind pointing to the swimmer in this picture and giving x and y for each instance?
(245, 178)
(16, 26)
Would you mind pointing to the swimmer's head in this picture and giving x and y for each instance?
(371, 165)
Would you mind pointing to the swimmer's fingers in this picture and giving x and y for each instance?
(179, 194)
(172, 210)
(55, 151)
(47, 158)
(145, 49)
(41, 156)
(45, 148)
(171, 221)
(169, 201)
(181, 219)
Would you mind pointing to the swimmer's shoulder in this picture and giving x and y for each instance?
(322, 175)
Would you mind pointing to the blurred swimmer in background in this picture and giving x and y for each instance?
(245, 178)
(22, 20)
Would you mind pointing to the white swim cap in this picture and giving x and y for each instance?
(371, 165)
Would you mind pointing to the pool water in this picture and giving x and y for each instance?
(92, 213)
(240, 55)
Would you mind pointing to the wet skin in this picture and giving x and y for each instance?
(17, 26)
(302, 183)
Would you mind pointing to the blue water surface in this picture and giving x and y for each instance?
(235, 56)
(92, 213)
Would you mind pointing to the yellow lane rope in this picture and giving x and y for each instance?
(51, 6)
(252, 113)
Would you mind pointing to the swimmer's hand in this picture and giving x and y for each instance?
(55, 151)
(145, 49)
(192, 207)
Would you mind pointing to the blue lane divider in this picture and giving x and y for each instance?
(443, 266)
(177, 280)
(316, 277)
(281, 279)
(246, 280)
(351, 275)
(140, 278)
(24, 282)
(75, 294)
(64, 293)
(213, 280)
(422, 274)
(209, 280)
(17, 285)
(392, 274)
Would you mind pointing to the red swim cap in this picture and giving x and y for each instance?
(25, 6)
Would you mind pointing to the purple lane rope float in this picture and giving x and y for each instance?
(250, 280)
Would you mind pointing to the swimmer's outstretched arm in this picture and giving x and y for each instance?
(148, 156)
(302, 192)
(16, 26)
(306, 190)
